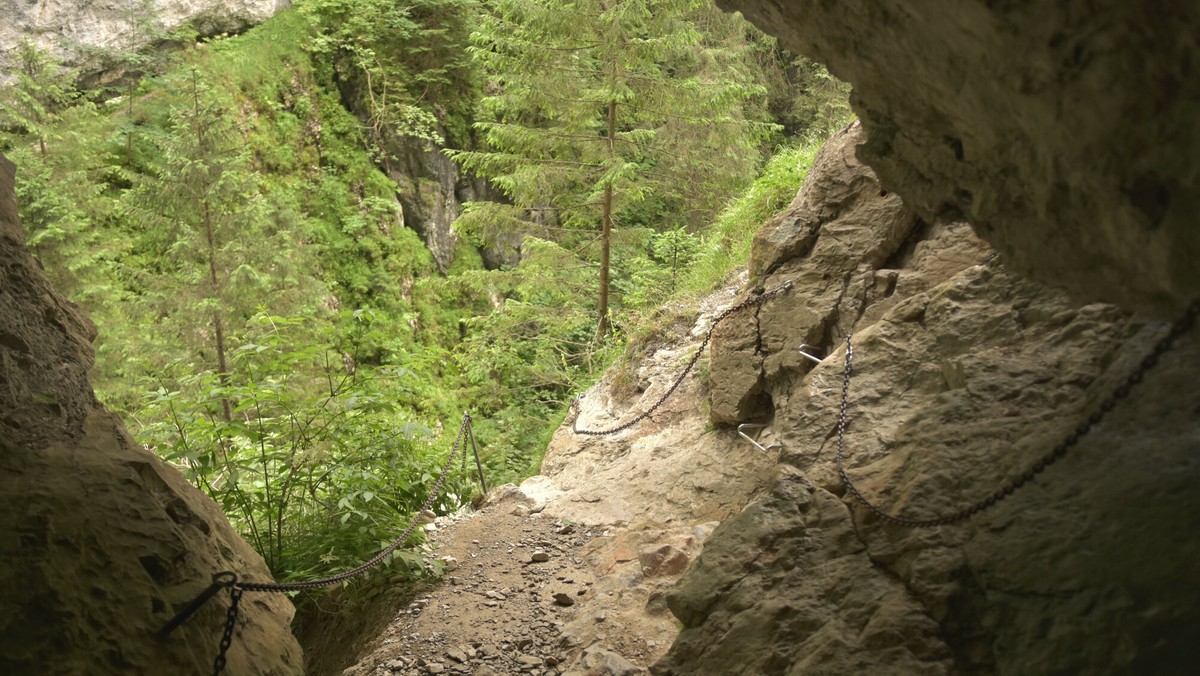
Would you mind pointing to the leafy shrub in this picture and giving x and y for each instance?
(725, 247)
(320, 464)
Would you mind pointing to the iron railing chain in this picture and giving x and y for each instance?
(1164, 345)
(753, 301)
(235, 597)
(237, 588)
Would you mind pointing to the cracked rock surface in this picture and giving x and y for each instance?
(70, 28)
(1064, 132)
(965, 375)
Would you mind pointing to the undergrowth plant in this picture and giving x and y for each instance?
(243, 186)
(320, 465)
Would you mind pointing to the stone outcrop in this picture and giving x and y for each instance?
(965, 375)
(431, 190)
(104, 541)
(70, 28)
(1064, 132)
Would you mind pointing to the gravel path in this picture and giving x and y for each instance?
(513, 580)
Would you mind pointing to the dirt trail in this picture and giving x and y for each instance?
(514, 579)
(568, 574)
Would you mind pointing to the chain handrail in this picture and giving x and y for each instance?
(229, 580)
(755, 300)
(1165, 344)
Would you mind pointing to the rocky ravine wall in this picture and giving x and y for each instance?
(103, 542)
(965, 374)
(431, 190)
(67, 28)
(1065, 132)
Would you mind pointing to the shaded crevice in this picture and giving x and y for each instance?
(760, 403)
(902, 257)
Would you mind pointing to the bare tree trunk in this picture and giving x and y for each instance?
(218, 329)
(214, 286)
(606, 231)
(129, 131)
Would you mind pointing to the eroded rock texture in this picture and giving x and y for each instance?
(103, 542)
(1065, 132)
(69, 28)
(965, 375)
(431, 190)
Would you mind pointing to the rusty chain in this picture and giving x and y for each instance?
(753, 301)
(1178, 329)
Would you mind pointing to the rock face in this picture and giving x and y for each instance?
(1064, 132)
(965, 375)
(431, 190)
(104, 541)
(67, 28)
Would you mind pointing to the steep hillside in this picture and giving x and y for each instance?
(1008, 534)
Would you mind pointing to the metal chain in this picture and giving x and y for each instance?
(1165, 344)
(228, 579)
(375, 560)
(749, 302)
(235, 595)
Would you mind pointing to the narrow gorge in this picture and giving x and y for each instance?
(1002, 239)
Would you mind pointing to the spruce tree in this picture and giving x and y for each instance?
(214, 258)
(595, 107)
(42, 90)
(44, 128)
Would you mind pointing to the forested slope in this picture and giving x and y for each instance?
(261, 228)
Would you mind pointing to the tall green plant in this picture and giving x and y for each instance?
(596, 107)
(725, 247)
(521, 362)
(320, 463)
(31, 105)
(216, 251)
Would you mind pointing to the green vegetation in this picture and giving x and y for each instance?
(725, 245)
(601, 113)
(269, 322)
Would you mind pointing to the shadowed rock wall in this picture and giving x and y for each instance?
(1065, 132)
(965, 375)
(103, 542)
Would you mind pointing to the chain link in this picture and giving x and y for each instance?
(236, 588)
(1165, 344)
(753, 301)
(375, 560)
(235, 596)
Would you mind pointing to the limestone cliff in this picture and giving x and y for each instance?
(965, 374)
(1065, 132)
(70, 28)
(431, 190)
(103, 541)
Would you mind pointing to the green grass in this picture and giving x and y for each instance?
(726, 246)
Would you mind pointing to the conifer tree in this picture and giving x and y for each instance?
(142, 27)
(596, 106)
(42, 90)
(59, 188)
(203, 222)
